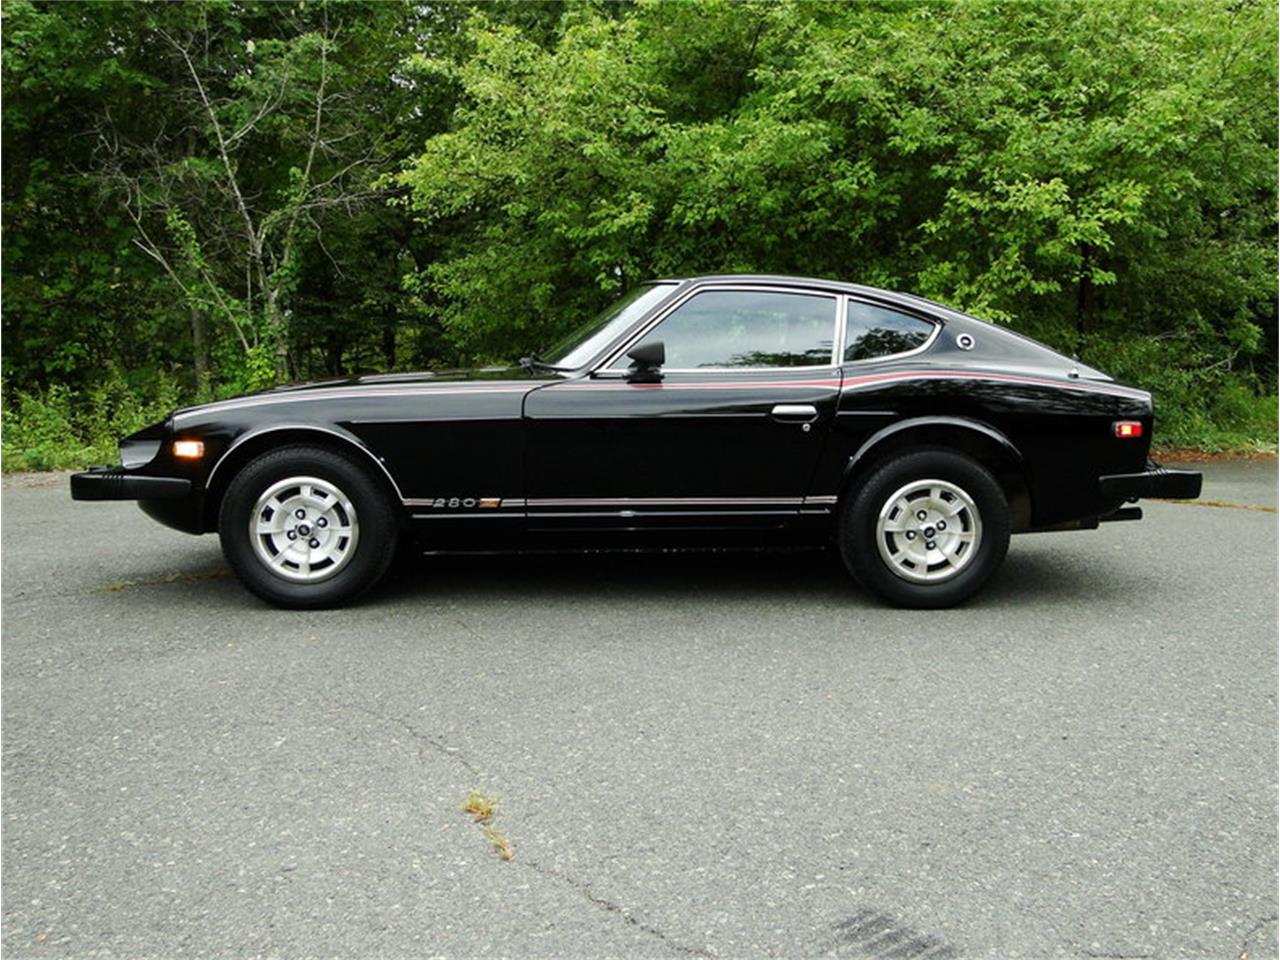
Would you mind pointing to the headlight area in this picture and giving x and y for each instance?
(139, 449)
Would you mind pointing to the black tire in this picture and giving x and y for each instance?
(860, 545)
(360, 566)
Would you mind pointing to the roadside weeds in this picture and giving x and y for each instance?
(1219, 503)
(119, 585)
(482, 809)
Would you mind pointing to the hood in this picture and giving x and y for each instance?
(415, 378)
(483, 379)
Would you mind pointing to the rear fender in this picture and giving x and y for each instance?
(979, 440)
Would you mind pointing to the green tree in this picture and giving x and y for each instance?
(1087, 172)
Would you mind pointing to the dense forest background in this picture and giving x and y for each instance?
(203, 198)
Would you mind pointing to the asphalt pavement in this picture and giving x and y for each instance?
(706, 755)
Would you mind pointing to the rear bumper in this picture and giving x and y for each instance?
(112, 483)
(1155, 481)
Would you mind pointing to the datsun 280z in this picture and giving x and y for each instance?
(712, 411)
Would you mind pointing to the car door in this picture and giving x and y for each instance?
(729, 436)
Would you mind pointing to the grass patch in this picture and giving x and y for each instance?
(501, 845)
(1172, 454)
(119, 585)
(482, 809)
(479, 806)
(1222, 504)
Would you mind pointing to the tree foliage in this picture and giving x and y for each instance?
(1074, 169)
(223, 194)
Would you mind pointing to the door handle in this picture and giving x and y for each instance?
(797, 412)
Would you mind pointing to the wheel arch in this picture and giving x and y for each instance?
(256, 442)
(981, 441)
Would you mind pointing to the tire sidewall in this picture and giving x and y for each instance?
(373, 550)
(859, 518)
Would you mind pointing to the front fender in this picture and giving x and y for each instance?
(254, 440)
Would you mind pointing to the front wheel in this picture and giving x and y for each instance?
(305, 526)
(926, 529)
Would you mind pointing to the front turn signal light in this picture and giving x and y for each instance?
(188, 449)
(1127, 429)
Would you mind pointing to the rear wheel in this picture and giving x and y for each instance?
(926, 529)
(305, 526)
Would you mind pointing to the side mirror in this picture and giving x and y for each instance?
(646, 362)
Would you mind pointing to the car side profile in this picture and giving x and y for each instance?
(713, 411)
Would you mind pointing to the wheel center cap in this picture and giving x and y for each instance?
(928, 532)
(303, 530)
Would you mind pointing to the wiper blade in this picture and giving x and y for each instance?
(535, 362)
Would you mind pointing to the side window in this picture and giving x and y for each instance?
(879, 332)
(743, 328)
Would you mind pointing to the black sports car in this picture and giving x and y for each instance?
(713, 411)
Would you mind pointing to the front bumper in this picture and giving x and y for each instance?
(1156, 481)
(113, 483)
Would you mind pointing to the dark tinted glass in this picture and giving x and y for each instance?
(879, 332)
(740, 328)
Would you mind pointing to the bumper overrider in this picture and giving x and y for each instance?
(1156, 482)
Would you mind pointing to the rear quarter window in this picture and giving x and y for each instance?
(874, 332)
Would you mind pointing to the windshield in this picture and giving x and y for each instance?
(571, 352)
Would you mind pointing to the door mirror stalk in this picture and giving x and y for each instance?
(646, 362)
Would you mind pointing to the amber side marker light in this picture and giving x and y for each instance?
(188, 449)
(1127, 429)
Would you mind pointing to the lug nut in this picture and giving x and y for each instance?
(300, 514)
(291, 535)
(314, 544)
(322, 522)
(911, 534)
(942, 524)
(929, 544)
(920, 514)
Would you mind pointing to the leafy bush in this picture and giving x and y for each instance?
(38, 434)
(58, 429)
(1199, 401)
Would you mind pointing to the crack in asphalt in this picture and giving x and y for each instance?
(617, 908)
(425, 741)
(452, 753)
(1253, 931)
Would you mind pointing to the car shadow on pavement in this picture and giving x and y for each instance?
(673, 575)
(1038, 576)
(818, 575)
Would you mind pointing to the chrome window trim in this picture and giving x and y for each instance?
(844, 332)
(603, 367)
(842, 326)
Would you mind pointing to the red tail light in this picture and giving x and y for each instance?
(1127, 429)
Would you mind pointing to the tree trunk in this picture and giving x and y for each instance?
(1084, 296)
(333, 354)
(199, 350)
(279, 334)
(389, 339)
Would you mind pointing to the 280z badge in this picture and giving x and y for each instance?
(465, 503)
